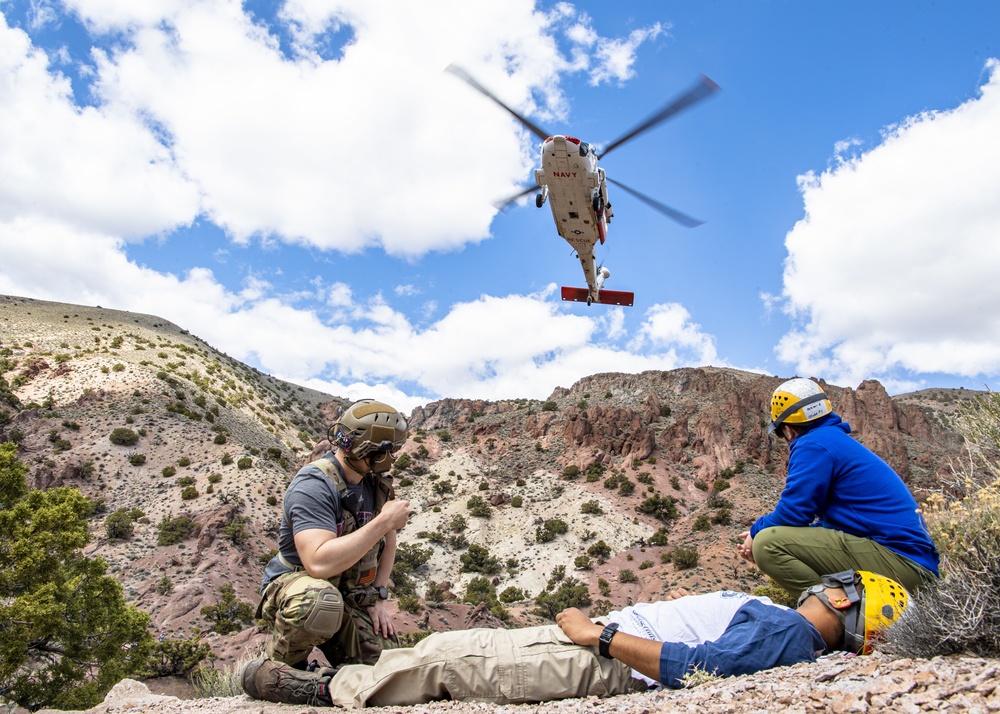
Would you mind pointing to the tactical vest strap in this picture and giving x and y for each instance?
(362, 573)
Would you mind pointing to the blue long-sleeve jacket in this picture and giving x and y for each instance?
(758, 637)
(836, 482)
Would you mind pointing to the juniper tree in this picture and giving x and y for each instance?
(66, 633)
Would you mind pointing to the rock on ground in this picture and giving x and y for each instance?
(837, 683)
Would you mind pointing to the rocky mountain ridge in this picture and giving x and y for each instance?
(603, 457)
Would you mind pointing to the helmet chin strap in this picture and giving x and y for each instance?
(354, 463)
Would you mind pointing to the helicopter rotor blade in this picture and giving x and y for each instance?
(703, 89)
(502, 205)
(463, 75)
(682, 218)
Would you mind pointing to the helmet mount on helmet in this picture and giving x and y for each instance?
(872, 603)
(370, 432)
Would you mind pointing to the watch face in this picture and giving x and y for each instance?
(383, 592)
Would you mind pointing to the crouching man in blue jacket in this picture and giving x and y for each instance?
(842, 507)
(638, 648)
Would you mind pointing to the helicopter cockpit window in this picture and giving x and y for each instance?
(584, 148)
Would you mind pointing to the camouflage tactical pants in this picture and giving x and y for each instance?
(286, 606)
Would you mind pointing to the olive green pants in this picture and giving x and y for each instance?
(796, 558)
(532, 664)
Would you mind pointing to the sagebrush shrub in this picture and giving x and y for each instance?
(961, 611)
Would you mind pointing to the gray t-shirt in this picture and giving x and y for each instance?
(312, 501)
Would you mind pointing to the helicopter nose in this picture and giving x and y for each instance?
(557, 145)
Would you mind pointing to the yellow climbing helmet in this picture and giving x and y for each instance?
(873, 603)
(797, 401)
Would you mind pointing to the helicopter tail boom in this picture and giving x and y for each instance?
(604, 297)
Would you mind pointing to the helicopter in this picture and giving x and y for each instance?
(576, 188)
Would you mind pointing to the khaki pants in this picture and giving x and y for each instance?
(796, 558)
(532, 664)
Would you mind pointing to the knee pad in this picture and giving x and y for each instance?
(326, 614)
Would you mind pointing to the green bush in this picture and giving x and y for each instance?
(176, 658)
(570, 593)
(627, 576)
(662, 508)
(478, 560)
(684, 558)
(604, 587)
(599, 550)
(169, 471)
(551, 528)
(512, 594)
(722, 517)
(123, 436)
(659, 538)
(118, 525)
(571, 472)
(229, 614)
(600, 608)
(777, 594)
(171, 531)
(478, 507)
(591, 508)
(244, 463)
(482, 590)
(137, 459)
(164, 586)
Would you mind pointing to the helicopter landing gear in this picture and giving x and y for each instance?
(541, 196)
(590, 301)
(598, 202)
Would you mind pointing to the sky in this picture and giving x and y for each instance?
(300, 184)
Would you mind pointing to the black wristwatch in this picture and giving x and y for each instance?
(604, 642)
(383, 592)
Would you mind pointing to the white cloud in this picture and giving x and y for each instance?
(492, 348)
(895, 264)
(669, 326)
(200, 115)
(616, 57)
(94, 167)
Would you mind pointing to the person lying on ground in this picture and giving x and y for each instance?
(645, 646)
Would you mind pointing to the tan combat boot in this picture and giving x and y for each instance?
(276, 681)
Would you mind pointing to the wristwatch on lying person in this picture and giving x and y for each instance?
(604, 642)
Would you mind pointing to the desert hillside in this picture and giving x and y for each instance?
(650, 465)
